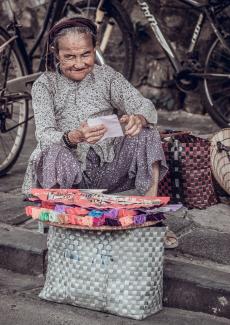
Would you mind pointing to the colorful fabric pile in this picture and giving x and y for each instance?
(91, 208)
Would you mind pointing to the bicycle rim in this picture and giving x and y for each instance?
(217, 89)
(16, 110)
(119, 52)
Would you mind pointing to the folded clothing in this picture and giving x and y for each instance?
(92, 199)
(92, 209)
(93, 218)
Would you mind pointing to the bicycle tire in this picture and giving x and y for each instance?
(124, 58)
(11, 142)
(216, 103)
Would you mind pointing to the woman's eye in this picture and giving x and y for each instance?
(68, 57)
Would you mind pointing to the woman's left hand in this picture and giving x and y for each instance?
(134, 124)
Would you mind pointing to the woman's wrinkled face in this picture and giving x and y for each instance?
(76, 55)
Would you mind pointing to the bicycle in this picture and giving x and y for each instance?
(115, 24)
(210, 76)
(190, 71)
(16, 67)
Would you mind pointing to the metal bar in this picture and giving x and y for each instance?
(2, 47)
(17, 125)
(161, 38)
(196, 32)
(20, 84)
(212, 21)
(211, 75)
(194, 3)
(43, 29)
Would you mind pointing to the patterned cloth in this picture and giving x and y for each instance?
(61, 104)
(131, 167)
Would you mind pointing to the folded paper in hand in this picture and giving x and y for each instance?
(112, 124)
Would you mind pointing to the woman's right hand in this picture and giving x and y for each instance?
(87, 134)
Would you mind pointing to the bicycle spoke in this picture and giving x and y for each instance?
(219, 82)
(223, 55)
(16, 122)
(224, 103)
(4, 151)
(5, 144)
(221, 91)
(2, 141)
(220, 98)
(217, 63)
(10, 134)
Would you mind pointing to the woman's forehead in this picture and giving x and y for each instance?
(75, 41)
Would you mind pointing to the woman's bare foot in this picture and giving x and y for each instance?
(152, 191)
(170, 240)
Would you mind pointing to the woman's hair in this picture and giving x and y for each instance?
(71, 30)
(78, 25)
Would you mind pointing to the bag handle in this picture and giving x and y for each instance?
(221, 147)
(172, 133)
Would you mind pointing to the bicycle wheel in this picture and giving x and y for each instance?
(13, 107)
(119, 52)
(217, 89)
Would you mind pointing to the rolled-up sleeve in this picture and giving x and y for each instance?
(47, 132)
(128, 100)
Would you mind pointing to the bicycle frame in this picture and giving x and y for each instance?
(204, 12)
(55, 11)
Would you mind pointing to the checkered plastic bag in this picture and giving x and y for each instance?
(120, 272)
(189, 179)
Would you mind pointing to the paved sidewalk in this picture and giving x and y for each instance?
(20, 305)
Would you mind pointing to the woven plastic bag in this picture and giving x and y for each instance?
(119, 272)
(189, 179)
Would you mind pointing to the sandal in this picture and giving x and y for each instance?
(170, 240)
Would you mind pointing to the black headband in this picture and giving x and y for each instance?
(71, 22)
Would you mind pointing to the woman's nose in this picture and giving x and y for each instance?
(78, 63)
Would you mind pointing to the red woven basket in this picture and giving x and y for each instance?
(189, 180)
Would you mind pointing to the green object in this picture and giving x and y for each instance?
(44, 216)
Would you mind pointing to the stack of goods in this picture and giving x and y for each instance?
(91, 208)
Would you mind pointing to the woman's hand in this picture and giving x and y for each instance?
(134, 124)
(87, 134)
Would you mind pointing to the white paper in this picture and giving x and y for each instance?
(112, 124)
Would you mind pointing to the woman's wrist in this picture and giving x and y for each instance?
(71, 139)
(75, 136)
(143, 120)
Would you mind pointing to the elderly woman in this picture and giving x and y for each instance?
(69, 153)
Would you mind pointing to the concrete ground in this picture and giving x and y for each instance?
(21, 306)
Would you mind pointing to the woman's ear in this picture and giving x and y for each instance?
(52, 49)
(56, 56)
(55, 52)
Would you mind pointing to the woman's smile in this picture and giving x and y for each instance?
(76, 56)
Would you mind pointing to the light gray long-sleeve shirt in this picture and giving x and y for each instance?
(61, 104)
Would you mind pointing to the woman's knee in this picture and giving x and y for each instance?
(55, 155)
(149, 133)
(58, 150)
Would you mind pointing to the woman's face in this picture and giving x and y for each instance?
(76, 55)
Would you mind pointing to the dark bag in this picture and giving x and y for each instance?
(189, 179)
